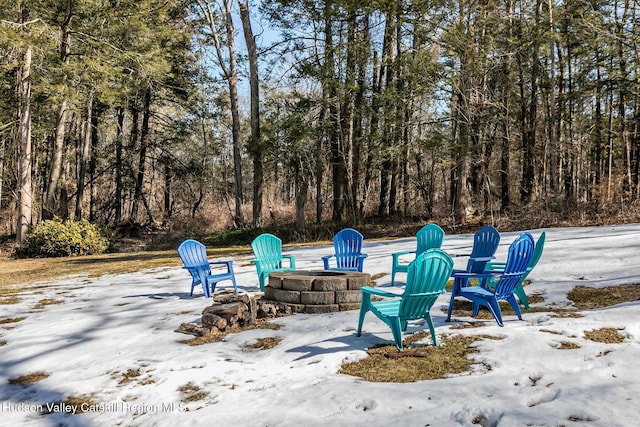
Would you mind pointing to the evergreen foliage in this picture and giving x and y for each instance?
(58, 238)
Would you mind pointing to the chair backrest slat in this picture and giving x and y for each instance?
(347, 244)
(426, 279)
(518, 260)
(428, 237)
(267, 248)
(485, 244)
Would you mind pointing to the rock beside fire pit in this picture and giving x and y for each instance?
(230, 312)
(323, 291)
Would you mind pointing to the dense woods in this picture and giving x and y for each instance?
(181, 112)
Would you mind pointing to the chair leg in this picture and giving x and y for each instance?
(494, 307)
(475, 308)
(453, 297)
(205, 289)
(394, 324)
(514, 304)
(233, 279)
(364, 307)
(431, 329)
(522, 296)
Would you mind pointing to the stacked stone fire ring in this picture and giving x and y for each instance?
(322, 291)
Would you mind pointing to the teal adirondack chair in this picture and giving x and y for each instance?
(519, 290)
(194, 257)
(427, 276)
(428, 237)
(267, 249)
(519, 258)
(347, 244)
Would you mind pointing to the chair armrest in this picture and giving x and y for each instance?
(398, 254)
(363, 256)
(325, 261)
(483, 275)
(379, 292)
(292, 260)
(482, 258)
(227, 263)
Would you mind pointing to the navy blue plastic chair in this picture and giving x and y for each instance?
(519, 290)
(485, 245)
(347, 244)
(194, 257)
(504, 282)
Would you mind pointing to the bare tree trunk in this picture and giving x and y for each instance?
(142, 160)
(55, 170)
(118, 166)
(235, 116)
(24, 184)
(231, 75)
(84, 158)
(255, 146)
(93, 159)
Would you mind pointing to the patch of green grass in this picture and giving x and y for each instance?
(29, 378)
(387, 364)
(589, 298)
(605, 335)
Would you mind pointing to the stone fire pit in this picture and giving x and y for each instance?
(322, 291)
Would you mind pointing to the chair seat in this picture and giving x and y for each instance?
(475, 290)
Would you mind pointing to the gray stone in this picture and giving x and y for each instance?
(297, 283)
(330, 283)
(274, 281)
(356, 282)
(317, 298)
(319, 309)
(350, 306)
(343, 297)
(292, 297)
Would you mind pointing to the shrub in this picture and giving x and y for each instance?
(56, 238)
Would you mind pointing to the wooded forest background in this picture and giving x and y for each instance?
(184, 113)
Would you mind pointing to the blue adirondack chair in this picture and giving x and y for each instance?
(347, 245)
(267, 249)
(519, 290)
(426, 279)
(518, 259)
(485, 244)
(428, 237)
(194, 257)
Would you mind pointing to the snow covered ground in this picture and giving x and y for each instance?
(104, 331)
